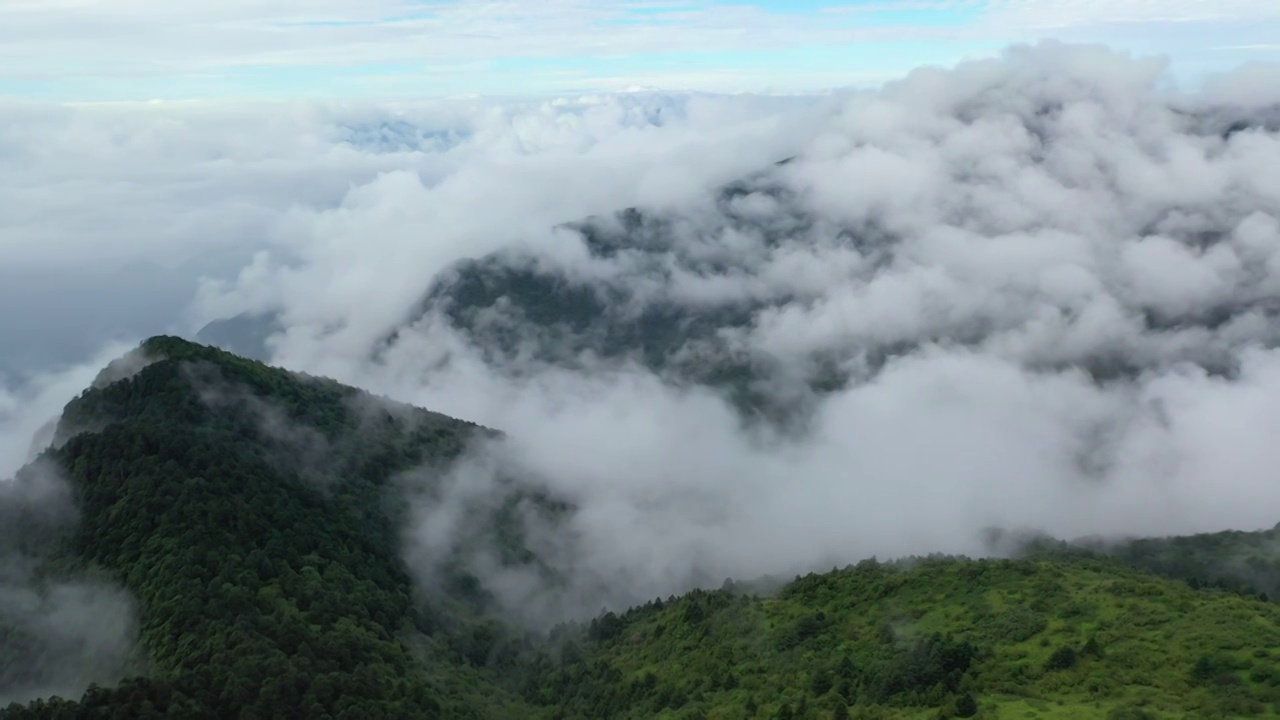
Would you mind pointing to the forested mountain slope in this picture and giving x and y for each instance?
(256, 517)
(1248, 562)
(247, 510)
(938, 637)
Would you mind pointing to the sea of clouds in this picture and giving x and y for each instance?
(1069, 271)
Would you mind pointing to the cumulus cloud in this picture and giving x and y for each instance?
(115, 213)
(400, 229)
(1038, 291)
(1046, 284)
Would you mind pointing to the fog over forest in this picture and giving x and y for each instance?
(1033, 292)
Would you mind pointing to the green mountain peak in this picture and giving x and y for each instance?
(254, 521)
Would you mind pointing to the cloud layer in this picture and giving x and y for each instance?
(1048, 284)
(1051, 286)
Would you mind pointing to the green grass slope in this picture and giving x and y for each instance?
(1071, 638)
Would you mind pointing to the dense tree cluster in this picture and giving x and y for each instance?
(928, 637)
(267, 589)
(256, 517)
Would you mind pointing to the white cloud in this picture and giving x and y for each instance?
(1039, 14)
(970, 245)
(142, 49)
(1045, 216)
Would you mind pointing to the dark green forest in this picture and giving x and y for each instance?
(256, 516)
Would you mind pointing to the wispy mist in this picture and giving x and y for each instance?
(58, 634)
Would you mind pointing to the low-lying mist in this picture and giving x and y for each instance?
(1037, 292)
(58, 634)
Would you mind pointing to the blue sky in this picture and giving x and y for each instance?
(128, 50)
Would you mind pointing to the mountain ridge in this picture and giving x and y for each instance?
(160, 456)
(256, 516)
